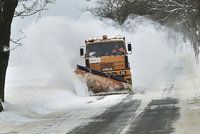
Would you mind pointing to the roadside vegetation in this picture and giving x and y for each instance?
(181, 15)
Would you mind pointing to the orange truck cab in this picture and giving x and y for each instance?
(108, 55)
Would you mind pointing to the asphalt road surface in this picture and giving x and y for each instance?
(156, 118)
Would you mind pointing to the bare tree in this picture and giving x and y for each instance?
(31, 7)
(182, 15)
(8, 10)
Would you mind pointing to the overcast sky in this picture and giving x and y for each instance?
(71, 8)
(68, 8)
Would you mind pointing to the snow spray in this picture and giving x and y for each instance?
(51, 50)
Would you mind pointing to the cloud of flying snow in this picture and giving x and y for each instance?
(51, 50)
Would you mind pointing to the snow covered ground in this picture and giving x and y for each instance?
(31, 103)
(34, 108)
(37, 109)
(188, 90)
(43, 95)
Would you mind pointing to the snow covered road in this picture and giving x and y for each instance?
(55, 121)
(163, 111)
(157, 118)
(169, 106)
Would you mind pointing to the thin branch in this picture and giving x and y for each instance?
(18, 41)
(29, 8)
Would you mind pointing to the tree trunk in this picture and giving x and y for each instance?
(7, 8)
(1, 107)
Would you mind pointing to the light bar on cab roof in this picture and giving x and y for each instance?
(104, 37)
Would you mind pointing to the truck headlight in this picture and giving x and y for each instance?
(107, 69)
(114, 73)
(122, 72)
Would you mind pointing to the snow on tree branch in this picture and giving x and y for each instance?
(182, 15)
(31, 7)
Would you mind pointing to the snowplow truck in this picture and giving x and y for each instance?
(106, 69)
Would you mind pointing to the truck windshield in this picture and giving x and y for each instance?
(105, 49)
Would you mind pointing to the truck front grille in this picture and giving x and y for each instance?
(107, 66)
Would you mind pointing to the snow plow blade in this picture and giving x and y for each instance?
(100, 83)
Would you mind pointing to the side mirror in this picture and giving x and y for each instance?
(129, 47)
(81, 52)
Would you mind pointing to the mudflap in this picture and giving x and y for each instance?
(101, 84)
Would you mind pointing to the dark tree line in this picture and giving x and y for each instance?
(8, 10)
(182, 15)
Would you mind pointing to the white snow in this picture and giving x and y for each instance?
(43, 94)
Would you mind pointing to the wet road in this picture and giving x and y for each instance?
(136, 116)
(156, 118)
